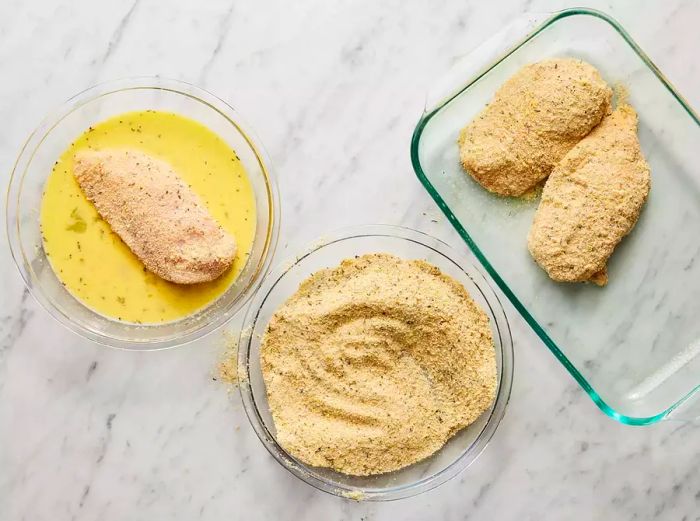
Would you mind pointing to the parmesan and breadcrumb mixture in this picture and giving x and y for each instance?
(374, 364)
(534, 119)
(156, 214)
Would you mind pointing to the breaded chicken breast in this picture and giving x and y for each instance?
(591, 201)
(156, 214)
(534, 119)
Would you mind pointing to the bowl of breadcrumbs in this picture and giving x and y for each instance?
(377, 364)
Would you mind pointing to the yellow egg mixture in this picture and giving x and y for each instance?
(92, 261)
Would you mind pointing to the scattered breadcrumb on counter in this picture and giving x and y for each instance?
(227, 368)
(354, 495)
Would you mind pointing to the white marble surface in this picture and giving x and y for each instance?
(333, 90)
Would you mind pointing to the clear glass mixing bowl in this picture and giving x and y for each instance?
(55, 134)
(461, 450)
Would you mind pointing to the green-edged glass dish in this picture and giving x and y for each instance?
(634, 345)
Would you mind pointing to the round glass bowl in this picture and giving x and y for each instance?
(462, 449)
(56, 133)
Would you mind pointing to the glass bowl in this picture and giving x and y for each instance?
(55, 134)
(462, 449)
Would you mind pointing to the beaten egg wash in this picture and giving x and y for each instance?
(91, 260)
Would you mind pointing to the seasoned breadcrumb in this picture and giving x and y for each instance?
(374, 364)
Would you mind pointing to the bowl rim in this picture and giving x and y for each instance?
(496, 413)
(48, 123)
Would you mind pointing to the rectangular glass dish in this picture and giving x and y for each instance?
(633, 345)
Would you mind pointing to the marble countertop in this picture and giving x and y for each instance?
(334, 90)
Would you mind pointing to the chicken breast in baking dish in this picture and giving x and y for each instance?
(591, 200)
(534, 119)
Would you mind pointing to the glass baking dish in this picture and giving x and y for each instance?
(634, 345)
